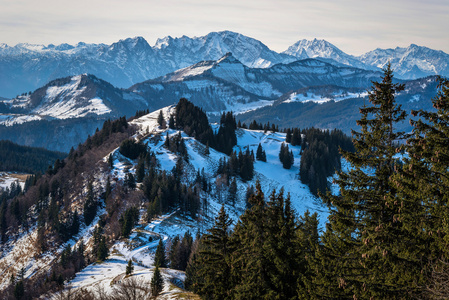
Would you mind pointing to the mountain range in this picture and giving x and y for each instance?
(63, 112)
(25, 67)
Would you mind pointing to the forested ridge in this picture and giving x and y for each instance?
(386, 236)
(14, 157)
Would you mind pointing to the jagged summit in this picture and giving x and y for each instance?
(133, 60)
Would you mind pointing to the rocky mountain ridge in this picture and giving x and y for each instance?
(25, 67)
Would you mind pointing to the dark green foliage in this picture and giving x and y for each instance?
(241, 164)
(159, 259)
(423, 188)
(19, 290)
(161, 120)
(177, 145)
(246, 164)
(267, 256)
(295, 139)
(141, 113)
(260, 154)
(129, 181)
(140, 169)
(216, 260)
(288, 135)
(157, 282)
(250, 234)
(90, 205)
(171, 122)
(102, 249)
(180, 252)
(226, 138)
(18, 158)
(265, 127)
(364, 247)
(286, 157)
(193, 121)
(128, 220)
(165, 191)
(129, 267)
(132, 148)
(232, 192)
(110, 160)
(321, 157)
(281, 247)
(66, 230)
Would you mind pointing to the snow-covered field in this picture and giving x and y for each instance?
(311, 97)
(7, 178)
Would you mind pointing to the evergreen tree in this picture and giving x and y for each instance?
(19, 290)
(159, 259)
(249, 237)
(102, 251)
(423, 187)
(111, 161)
(108, 189)
(129, 267)
(288, 136)
(140, 169)
(280, 248)
(232, 196)
(128, 220)
(157, 282)
(171, 122)
(90, 205)
(296, 137)
(260, 154)
(130, 181)
(308, 243)
(286, 157)
(160, 120)
(216, 268)
(363, 253)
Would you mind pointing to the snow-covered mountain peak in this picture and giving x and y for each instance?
(317, 48)
(136, 43)
(313, 48)
(411, 62)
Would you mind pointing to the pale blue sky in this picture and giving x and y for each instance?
(355, 26)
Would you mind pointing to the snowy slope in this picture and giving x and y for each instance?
(70, 98)
(138, 248)
(107, 275)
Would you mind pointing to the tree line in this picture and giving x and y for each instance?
(14, 157)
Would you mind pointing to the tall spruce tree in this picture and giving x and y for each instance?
(363, 246)
(280, 248)
(90, 206)
(423, 185)
(159, 259)
(157, 282)
(216, 264)
(250, 265)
